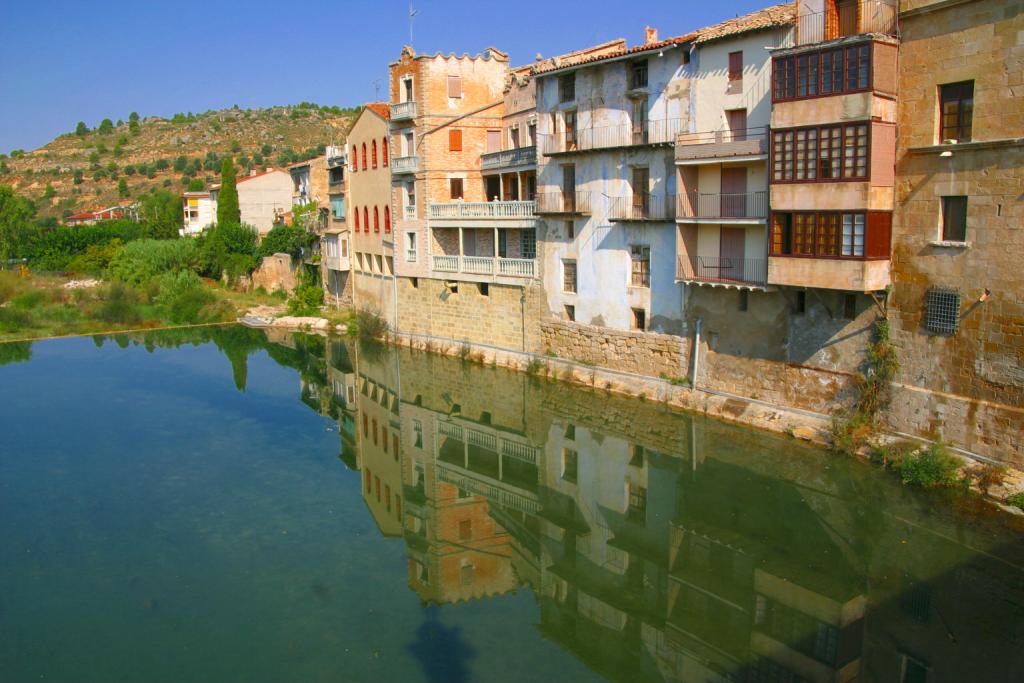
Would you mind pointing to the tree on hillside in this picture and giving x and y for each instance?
(133, 127)
(49, 191)
(196, 185)
(78, 176)
(227, 199)
(106, 127)
(122, 188)
(17, 230)
(81, 129)
(134, 116)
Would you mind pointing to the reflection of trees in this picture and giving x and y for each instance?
(15, 352)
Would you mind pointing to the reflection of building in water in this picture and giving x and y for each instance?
(668, 548)
(378, 432)
(342, 377)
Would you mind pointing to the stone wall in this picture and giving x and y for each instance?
(643, 353)
(276, 272)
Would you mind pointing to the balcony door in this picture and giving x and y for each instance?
(640, 121)
(737, 120)
(493, 187)
(734, 192)
(641, 197)
(493, 141)
(569, 188)
(731, 253)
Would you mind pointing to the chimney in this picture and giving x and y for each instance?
(253, 171)
(650, 35)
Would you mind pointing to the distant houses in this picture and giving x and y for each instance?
(109, 213)
(264, 198)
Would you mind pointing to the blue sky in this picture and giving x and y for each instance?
(61, 62)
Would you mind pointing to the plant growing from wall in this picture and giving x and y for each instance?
(851, 430)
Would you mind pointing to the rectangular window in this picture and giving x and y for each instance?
(956, 111)
(568, 276)
(570, 130)
(853, 234)
(465, 530)
(638, 74)
(567, 88)
(455, 186)
(821, 73)
(455, 140)
(828, 234)
(410, 247)
(849, 306)
(636, 511)
(513, 137)
(640, 260)
(942, 310)
(455, 86)
(570, 312)
(338, 208)
(825, 153)
(569, 464)
(570, 229)
(528, 243)
(735, 72)
(954, 219)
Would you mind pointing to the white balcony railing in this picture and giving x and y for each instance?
(485, 210)
(403, 110)
(405, 164)
(483, 265)
(409, 212)
(410, 256)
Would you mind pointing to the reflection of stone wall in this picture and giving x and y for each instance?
(644, 353)
(276, 272)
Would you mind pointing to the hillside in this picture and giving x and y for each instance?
(84, 170)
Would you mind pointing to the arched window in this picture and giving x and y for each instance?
(356, 211)
(387, 219)
(364, 156)
(355, 158)
(384, 150)
(376, 219)
(374, 148)
(366, 220)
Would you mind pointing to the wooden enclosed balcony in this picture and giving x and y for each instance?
(509, 158)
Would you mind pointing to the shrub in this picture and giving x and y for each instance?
(29, 300)
(183, 296)
(119, 305)
(1017, 499)
(285, 239)
(55, 248)
(930, 467)
(141, 260)
(370, 325)
(227, 247)
(10, 285)
(306, 300)
(96, 259)
(14, 320)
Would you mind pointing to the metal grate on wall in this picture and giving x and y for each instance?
(942, 310)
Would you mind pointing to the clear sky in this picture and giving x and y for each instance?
(61, 62)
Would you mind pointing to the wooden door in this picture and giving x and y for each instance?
(734, 192)
(641, 196)
(731, 253)
(737, 120)
(569, 188)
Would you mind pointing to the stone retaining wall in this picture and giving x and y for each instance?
(643, 353)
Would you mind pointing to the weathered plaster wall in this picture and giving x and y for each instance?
(643, 353)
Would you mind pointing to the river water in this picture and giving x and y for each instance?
(220, 506)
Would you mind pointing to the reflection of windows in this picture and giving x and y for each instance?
(637, 457)
(569, 464)
(465, 530)
(417, 430)
(636, 511)
(422, 575)
(466, 572)
(914, 671)
(528, 243)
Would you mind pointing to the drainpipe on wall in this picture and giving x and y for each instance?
(696, 354)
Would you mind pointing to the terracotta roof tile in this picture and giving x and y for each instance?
(769, 17)
(380, 108)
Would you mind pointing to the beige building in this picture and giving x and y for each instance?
(263, 198)
(957, 311)
(369, 212)
(335, 255)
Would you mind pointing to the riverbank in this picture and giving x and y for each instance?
(997, 483)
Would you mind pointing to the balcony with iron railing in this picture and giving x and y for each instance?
(405, 164)
(562, 202)
(509, 158)
(480, 210)
(401, 111)
(722, 145)
(723, 270)
(642, 206)
(841, 19)
(727, 207)
(611, 137)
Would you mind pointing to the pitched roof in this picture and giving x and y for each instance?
(381, 109)
(769, 17)
(613, 54)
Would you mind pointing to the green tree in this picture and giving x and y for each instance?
(17, 229)
(161, 164)
(122, 188)
(133, 127)
(81, 130)
(160, 212)
(196, 185)
(236, 146)
(94, 158)
(228, 211)
(266, 150)
(77, 176)
(122, 140)
(49, 191)
(106, 127)
(180, 163)
(101, 148)
(257, 159)
(129, 170)
(3, 167)
(134, 116)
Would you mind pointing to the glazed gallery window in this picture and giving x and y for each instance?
(825, 154)
(823, 234)
(956, 111)
(821, 73)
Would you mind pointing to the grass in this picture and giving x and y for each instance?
(37, 307)
(1017, 499)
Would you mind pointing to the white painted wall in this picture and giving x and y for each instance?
(259, 196)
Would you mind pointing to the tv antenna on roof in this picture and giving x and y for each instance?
(376, 90)
(412, 15)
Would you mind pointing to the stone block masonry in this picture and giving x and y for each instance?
(641, 353)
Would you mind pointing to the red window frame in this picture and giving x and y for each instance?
(384, 151)
(355, 158)
(355, 210)
(364, 156)
(822, 234)
(376, 219)
(816, 73)
(373, 147)
(803, 151)
(366, 219)
(387, 219)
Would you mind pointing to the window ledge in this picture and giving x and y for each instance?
(968, 146)
(950, 244)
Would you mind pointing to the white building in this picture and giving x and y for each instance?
(200, 211)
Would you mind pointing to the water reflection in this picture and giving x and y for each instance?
(657, 546)
(667, 547)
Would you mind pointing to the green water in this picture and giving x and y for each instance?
(217, 506)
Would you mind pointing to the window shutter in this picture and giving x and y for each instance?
(735, 66)
(455, 86)
(455, 140)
